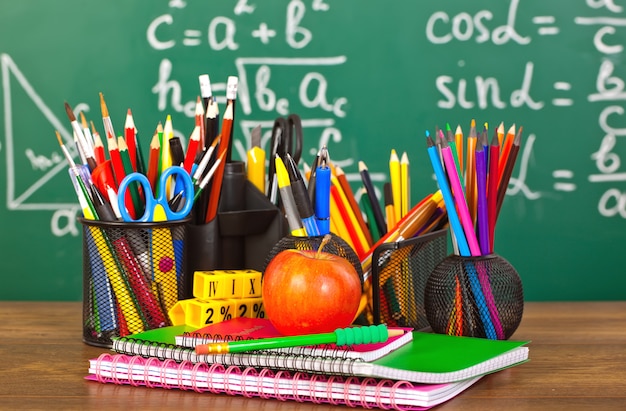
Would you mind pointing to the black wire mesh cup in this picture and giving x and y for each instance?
(133, 273)
(474, 296)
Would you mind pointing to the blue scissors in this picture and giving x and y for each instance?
(158, 209)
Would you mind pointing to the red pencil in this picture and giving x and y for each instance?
(130, 136)
(506, 149)
(153, 161)
(98, 148)
(192, 148)
(116, 160)
(492, 187)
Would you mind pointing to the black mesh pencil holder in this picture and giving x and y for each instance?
(475, 297)
(336, 245)
(133, 273)
(399, 273)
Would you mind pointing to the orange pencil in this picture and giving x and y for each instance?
(347, 190)
(506, 149)
(360, 243)
(458, 137)
(470, 171)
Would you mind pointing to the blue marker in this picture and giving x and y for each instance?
(322, 198)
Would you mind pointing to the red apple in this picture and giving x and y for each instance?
(307, 292)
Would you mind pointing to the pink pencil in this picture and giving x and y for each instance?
(459, 199)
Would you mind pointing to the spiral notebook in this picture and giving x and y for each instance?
(265, 383)
(427, 358)
(253, 328)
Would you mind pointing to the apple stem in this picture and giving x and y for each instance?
(325, 241)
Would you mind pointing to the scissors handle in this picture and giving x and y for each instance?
(187, 193)
(147, 192)
(158, 209)
(294, 138)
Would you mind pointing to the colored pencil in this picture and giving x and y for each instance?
(458, 136)
(369, 187)
(130, 137)
(470, 171)
(482, 211)
(231, 100)
(508, 170)
(492, 188)
(390, 215)
(192, 148)
(405, 184)
(116, 160)
(199, 122)
(347, 190)
(506, 149)
(396, 184)
(153, 162)
(134, 206)
(459, 200)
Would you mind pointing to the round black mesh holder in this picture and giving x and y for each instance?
(133, 273)
(474, 296)
(336, 246)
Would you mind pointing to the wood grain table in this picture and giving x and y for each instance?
(577, 352)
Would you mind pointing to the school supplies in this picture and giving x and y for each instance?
(265, 383)
(417, 357)
(242, 329)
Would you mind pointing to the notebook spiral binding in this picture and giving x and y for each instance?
(330, 361)
(249, 382)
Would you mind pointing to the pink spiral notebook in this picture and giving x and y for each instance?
(265, 383)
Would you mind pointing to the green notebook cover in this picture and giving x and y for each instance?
(438, 358)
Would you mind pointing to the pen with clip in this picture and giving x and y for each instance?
(301, 197)
(286, 195)
(322, 194)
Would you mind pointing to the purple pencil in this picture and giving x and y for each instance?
(481, 183)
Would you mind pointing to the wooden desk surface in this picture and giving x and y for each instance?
(578, 361)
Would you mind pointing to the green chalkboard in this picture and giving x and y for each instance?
(366, 76)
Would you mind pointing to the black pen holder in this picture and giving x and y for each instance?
(337, 246)
(242, 234)
(133, 273)
(399, 274)
(475, 297)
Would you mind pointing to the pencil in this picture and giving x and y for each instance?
(506, 149)
(459, 200)
(134, 206)
(192, 148)
(388, 201)
(98, 146)
(405, 184)
(354, 229)
(371, 193)
(153, 162)
(396, 184)
(116, 160)
(347, 190)
(366, 206)
(482, 211)
(458, 136)
(470, 171)
(508, 170)
(130, 136)
(492, 188)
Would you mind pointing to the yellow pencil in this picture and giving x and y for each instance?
(396, 184)
(405, 184)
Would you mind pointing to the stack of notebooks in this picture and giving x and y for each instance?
(414, 370)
